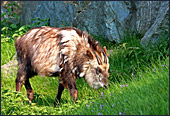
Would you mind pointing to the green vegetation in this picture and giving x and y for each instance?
(139, 82)
(129, 55)
(147, 93)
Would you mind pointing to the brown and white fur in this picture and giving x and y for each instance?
(64, 52)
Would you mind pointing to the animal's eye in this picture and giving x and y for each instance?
(98, 70)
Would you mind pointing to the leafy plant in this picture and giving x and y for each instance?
(10, 30)
(7, 23)
(37, 22)
(11, 16)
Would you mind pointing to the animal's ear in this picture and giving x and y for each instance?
(89, 54)
(105, 50)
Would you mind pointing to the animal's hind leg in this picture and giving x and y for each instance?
(21, 77)
(30, 93)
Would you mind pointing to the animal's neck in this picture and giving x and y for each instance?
(81, 61)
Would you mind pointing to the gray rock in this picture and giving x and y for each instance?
(117, 14)
(110, 19)
(10, 67)
(80, 5)
(159, 27)
(104, 18)
(90, 18)
(27, 9)
(130, 21)
(146, 14)
(59, 13)
(113, 19)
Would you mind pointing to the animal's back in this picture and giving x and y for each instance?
(45, 48)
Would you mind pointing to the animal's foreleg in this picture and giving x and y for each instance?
(73, 88)
(60, 90)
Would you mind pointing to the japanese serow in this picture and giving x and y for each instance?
(64, 52)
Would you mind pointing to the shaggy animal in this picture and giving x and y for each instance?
(64, 52)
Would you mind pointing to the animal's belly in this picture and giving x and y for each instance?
(47, 68)
(46, 63)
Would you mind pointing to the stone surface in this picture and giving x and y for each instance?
(10, 67)
(159, 27)
(116, 14)
(90, 19)
(146, 14)
(113, 19)
(59, 13)
(104, 18)
(110, 19)
(27, 9)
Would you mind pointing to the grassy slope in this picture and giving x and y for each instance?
(147, 93)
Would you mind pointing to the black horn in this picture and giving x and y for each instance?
(98, 59)
(105, 59)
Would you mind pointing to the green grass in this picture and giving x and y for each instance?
(146, 94)
(129, 55)
(143, 72)
(7, 51)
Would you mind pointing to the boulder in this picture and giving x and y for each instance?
(11, 67)
(59, 13)
(27, 9)
(105, 18)
(146, 14)
(110, 19)
(160, 26)
(90, 18)
(113, 19)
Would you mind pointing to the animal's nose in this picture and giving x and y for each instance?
(105, 87)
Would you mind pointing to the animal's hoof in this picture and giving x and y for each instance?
(76, 102)
(56, 104)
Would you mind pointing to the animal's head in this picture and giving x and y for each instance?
(96, 69)
(97, 75)
(93, 60)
